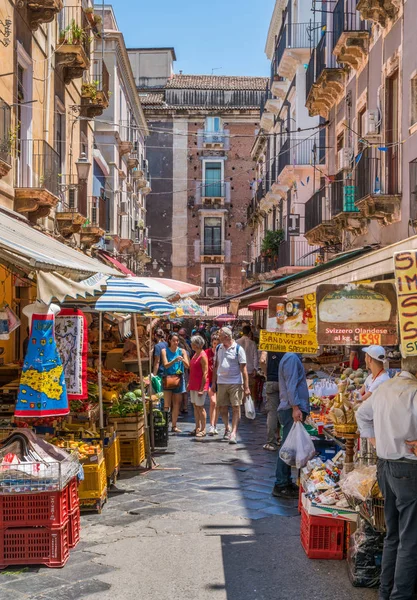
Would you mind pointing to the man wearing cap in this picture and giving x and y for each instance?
(374, 360)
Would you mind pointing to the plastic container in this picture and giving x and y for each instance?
(95, 481)
(34, 546)
(322, 537)
(74, 526)
(326, 448)
(132, 452)
(112, 458)
(39, 510)
(160, 433)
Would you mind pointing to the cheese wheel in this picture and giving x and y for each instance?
(354, 305)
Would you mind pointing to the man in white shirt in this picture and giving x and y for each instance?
(230, 379)
(389, 419)
(374, 360)
(252, 358)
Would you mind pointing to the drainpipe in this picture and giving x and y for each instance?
(48, 82)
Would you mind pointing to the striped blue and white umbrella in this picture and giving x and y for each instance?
(128, 295)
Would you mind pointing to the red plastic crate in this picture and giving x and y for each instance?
(322, 537)
(44, 509)
(300, 498)
(34, 546)
(74, 523)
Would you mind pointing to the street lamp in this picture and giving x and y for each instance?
(83, 167)
(154, 264)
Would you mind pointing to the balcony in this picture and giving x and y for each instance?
(294, 48)
(73, 49)
(350, 35)
(293, 255)
(319, 228)
(212, 253)
(68, 217)
(133, 161)
(379, 11)
(279, 86)
(295, 156)
(213, 194)
(5, 138)
(345, 214)
(36, 178)
(95, 90)
(372, 200)
(127, 137)
(42, 11)
(325, 81)
(94, 227)
(267, 118)
(214, 139)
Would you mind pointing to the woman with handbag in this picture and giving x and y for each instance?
(174, 360)
(198, 384)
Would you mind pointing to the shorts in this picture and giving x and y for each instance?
(196, 399)
(229, 394)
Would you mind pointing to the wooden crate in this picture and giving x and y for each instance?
(128, 427)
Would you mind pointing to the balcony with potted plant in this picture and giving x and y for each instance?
(95, 90)
(74, 41)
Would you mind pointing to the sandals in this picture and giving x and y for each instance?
(175, 430)
(201, 434)
(193, 432)
(270, 447)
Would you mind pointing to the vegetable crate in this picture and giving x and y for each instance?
(34, 546)
(160, 432)
(322, 537)
(112, 458)
(128, 427)
(94, 486)
(132, 452)
(49, 509)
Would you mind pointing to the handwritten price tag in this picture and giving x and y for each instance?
(370, 339)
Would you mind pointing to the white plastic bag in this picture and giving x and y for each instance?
(298, 448)
(250, 408)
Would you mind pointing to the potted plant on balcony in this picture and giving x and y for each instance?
(271, 242)
(89, 90)
(72, 35)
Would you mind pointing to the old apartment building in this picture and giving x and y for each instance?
(202, 129)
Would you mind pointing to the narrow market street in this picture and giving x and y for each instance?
(204, 527)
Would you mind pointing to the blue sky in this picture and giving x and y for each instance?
(206, 35)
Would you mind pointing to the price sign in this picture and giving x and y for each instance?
(370, 339)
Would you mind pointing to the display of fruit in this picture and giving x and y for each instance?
(84, 449)
(341, 409)
(315, 402)
(353, 379)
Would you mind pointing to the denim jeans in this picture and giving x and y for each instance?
(398, 483)
(272, 403)
(283, 471)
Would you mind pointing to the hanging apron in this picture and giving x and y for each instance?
(42, 389)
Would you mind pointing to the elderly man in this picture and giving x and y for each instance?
(389, 419)
(230, 380)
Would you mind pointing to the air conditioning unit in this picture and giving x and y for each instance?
(212, 292)
(123, 208)
(344, 158)
(371, 122)
(212, 280)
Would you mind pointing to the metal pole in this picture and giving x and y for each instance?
(142, 387)
(150, 380)
(100, 381)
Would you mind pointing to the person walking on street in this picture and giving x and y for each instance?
(174, 359)
(252, 358)
(230, 381)
(214, 411)
(389, 420)
(160, 344)
(273, 360)
(197, 384)
(294, 406)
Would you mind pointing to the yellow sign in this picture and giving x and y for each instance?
(370, 339)
(405, 264)
(287, 342)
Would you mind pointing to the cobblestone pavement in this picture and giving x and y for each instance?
(203, 525)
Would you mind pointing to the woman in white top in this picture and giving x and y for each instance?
(374, 360)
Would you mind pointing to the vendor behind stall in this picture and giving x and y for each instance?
(374, 360)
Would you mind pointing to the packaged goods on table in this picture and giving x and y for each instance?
(320, 481)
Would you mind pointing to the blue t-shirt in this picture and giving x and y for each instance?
(157, 352)
(177, 366)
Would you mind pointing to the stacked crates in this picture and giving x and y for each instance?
(131, 432)
(39, 528)
(92, 491)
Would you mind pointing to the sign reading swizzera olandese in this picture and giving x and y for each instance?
(352, 314)
(405, 265)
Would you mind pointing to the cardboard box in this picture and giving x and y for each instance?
(333, 512)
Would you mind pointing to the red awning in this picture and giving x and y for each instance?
(113, 261)
(262, 305)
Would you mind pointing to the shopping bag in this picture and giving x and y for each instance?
(250, 408)
(298, 448)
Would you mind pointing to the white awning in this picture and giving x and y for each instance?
(23, 246)
(373, 264)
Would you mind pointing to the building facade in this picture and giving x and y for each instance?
(361, 77)
(121, 177)
(201, 132)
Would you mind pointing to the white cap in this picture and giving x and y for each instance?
(375, 352)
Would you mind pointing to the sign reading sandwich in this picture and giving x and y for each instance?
(405, 264)
(291, 325)
(352, 314)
